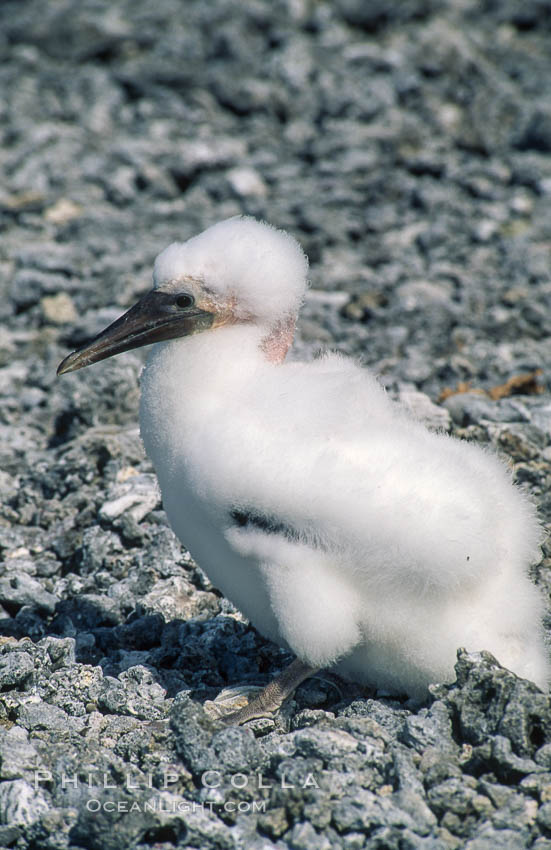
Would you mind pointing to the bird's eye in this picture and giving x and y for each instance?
(184, 301)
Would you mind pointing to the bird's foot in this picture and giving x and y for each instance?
(231, 700)
(269, 699)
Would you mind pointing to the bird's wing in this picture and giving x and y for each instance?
(324, 461)
(347, 508)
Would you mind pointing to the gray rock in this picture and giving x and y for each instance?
(411, 841)
(473, 408)
(406, 772)
(60, 650)
(543, 756)
(193, 733)
(42, 715)
(324, 744)
(30, 285)
(429, 728)
(437, 766)
(455, 796)
(236, 749)
(303, 836)
(9, 835)
(500, 839)
(488, 700)
(506, 762)
(416, 807)
(544, 816)
(537, 133)
(353, 841)
(18, 756)
(18, 589)
(20, 803)
(368, 811)
(16, 668)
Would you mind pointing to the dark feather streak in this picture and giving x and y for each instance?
(271, 525)
(248, 518)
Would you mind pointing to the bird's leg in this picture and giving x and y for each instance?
(272, 697)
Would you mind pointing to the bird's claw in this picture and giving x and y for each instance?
(232, 703)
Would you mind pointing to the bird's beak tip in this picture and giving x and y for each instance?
(65, 366)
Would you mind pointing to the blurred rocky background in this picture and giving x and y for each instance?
(407, 145)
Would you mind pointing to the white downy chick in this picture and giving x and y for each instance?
(342, 528)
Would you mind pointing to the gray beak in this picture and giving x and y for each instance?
(156, 317)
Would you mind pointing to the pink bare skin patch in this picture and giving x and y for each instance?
(278, 342)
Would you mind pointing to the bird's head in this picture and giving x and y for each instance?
(238, 271)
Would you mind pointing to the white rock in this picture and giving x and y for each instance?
(138, 494)
(247, 182)
(421, 407)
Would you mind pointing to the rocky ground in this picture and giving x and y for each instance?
(407, 146)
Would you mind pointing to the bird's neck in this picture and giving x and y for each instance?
(197, 379)
(278, 340)
(209, 366)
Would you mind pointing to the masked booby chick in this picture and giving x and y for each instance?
(343, 529)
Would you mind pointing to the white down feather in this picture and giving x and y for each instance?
(402, 544)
